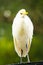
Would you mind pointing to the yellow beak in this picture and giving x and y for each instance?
(25, 13)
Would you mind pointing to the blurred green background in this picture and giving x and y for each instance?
(8, 10)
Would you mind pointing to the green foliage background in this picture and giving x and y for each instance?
(35, 9)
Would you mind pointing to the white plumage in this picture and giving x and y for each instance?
(22, 31)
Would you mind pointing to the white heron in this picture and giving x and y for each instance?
(22, 31)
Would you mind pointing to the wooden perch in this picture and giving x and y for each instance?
(32, 63)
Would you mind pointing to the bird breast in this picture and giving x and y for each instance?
(22, 29)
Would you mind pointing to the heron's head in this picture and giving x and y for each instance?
(22, 13)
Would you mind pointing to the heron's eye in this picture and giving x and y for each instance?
(21, 13)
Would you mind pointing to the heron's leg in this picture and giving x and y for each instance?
(21, 56)
(20, 59)
(28, 58)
